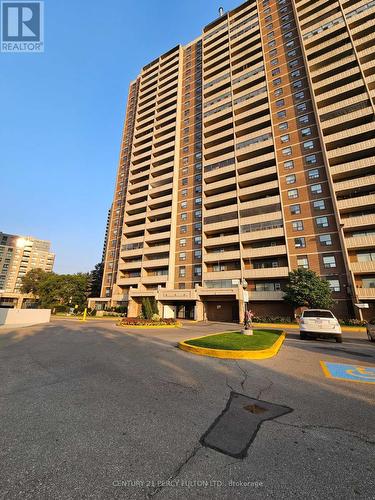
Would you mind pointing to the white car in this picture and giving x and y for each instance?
(319, 323)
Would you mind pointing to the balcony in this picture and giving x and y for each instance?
(250, 253)
(264, 234)
(360, 242)
(222, 256)
(150, 280)
(268, 272)
(366, 293)
(155, 263)
(219, 275)
(358, 222)
(363, 267)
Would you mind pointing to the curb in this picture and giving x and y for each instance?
(293, 326)
(227, 354)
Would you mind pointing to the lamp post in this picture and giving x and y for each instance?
(247, 319)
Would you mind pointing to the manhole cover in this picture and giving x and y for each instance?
(235, 429)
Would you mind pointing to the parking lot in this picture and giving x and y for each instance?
(89, 410)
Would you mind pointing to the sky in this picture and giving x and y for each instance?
(62, 115)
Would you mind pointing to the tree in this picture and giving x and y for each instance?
(147, 308)
(95, 280)
(32, 280)
(306, 288)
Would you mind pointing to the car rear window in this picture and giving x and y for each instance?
(317, 314)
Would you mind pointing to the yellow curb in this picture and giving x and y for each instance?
(227, 354)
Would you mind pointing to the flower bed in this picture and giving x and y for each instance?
(148, 322)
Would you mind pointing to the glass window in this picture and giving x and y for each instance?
(197, 270)
(198, 167)
(197, 254)
(184, 192)
(304, 119)
(183, 204)
(301, 107)
(283, 126)
(287, 151)
(197, 240)
(272, 43)
(308, 145)
(289, 44)
(183, 242)
(292, 53)
(293, 64)
(288, 35)
(325, 240)
(295, 73)
(319, 205)
(185, 171)
(184, 181)
(184, 216)
(299, 96)
(281, 114)
(314, 173)
(276, 82)
(288, 165)
(198, 214)
(334, 285)
(310, 159)
(278, 92)
(280, 103)
(297, 84)
(322, 222)
(198, 178)
(305, 132)
(290, 179)
(316, 189)
(182, 255)
(292, 193)
(275, 71)
(299, 242)
(274, 62)
(185, 160)
(285, 138)
(183, 229)
(182, 271)
(297, 225)
(198, 201)
(329, 261)
(302, 262)
(198, 226)
(295, 209)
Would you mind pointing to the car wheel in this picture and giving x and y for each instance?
(371, 339)
(339, 339)
(303, 336)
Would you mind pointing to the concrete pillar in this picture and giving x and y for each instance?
(19, 302)
(160, 308)
(199, 311)
(132, 308)
(241, 310)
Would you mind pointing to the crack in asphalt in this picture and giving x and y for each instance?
(244, 373)
(355, 434)
(176, 472)
(264, 389)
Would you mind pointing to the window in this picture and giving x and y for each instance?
(185, 171)
(295, 209)
(334, 285)
(281, 114)
(322, 222)
(303, 119)
(182, 256)
(287, 151)
(299, 242)
(185, 149)
(302, 262)
(310, 159)
(268, 19)
(184, 216)
(182, 271)
(308, 145)
(183, 229)
(293, 64)
(269, 26)
(283, 126)
(289, 44)
(301, 108)
(292, 193)
(297, 84)
(197, 254)
(305, 132)
(197, 240)
(367, 256)
(292, 53)
(198, 178)
(183, 242)
(272, 43)
(314, 173)
(297, 225)
(275, 71)
(181, 286)
(325, 240)
(280, 103)
(198, 167)
(288, 165)
(288, 35)
(197, 270)
(183, 204)
(290, 179)
(198, 201)
(184, 181)
(274, 62)
(278, 92)
(198, 214)
(285, 138)
(296, 73)
(198, 226)
(329, 261)
(316, 189)
(184, 192)
(319, 205)
(185, 160)
(276, 82)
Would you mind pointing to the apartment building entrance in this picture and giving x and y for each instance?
(185, 310)
(224, 309)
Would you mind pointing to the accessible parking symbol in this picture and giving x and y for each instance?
(352, 373)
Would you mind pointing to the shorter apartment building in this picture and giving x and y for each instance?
(18, 255)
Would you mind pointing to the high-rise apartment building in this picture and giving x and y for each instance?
(18, 255)
(246, 154)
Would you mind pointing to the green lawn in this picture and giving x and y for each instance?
(236, 341)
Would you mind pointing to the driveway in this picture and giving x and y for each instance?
(89, 410)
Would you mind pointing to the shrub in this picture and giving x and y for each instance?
(352, 322)
(148, 322)
(155, 317)
(272, 319)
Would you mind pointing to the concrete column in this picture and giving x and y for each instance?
(241, 310)
(199, 311)
(160, 308)
(19, 302)
(132, 308)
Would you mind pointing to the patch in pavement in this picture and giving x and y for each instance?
(234, 430)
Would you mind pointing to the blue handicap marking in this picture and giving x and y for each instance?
(349, 372)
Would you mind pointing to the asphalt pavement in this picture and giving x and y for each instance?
(91, 410)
